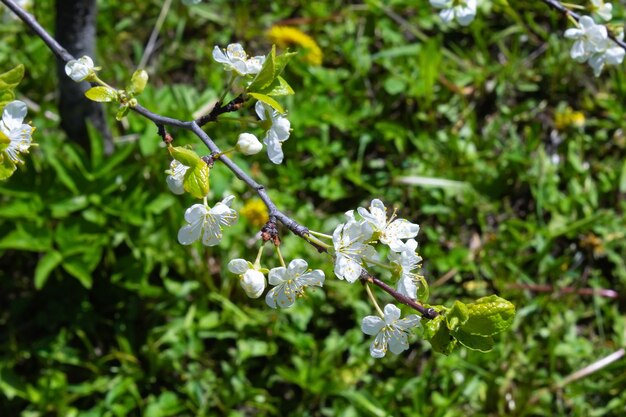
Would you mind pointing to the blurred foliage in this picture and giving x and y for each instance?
(475, 133)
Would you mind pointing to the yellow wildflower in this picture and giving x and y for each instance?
(285, 36)
(255, 211)
(567, 117)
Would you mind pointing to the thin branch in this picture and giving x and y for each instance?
(557, 5)
(193, 126)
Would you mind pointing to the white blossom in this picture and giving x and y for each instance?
(291, 282)
(391, 333)
(602, 9)
(207, 223)
(252, 280)
(248, 144)
(407, 261)
(176, 176)
(277, 133)
(589, 38)
(351, 249)
(463, 11)
(18, 133)
(608, 53)
(80, 69)
(389, 232)
(235, 59)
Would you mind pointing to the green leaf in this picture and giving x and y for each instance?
(7, 167)
(196, 181)
(6, 96)
(45, 266)
(279, 87)
(473, 341)
(438, 335)
(281, 62)
(457, 315)
(489, 315)
(269, 101)
(185, 156)
(266, 76)
(10, 79)
(76, 268)
(28, 237)
(101, 94)
(138, 82)
(122, 112)
(423, 291)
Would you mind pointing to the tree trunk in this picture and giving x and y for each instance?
(76, 31)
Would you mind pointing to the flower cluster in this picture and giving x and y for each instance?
(289, 282)
(593, 45)
(15, 135)
(463, 11)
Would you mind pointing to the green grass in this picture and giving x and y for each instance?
(454, 127)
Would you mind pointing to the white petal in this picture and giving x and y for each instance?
(274, 148)
(378, 348)
(392, 313)
(14, 114)
(195, 213)
(297, 267)
(280, 296)
(260, 109)
(253, 283)
(281, 128)
(212, 232)
(465, 15)
(277, 275)
(371, 325)
(219, 56)
(398, 342)
(238, 266)
(407, 287)
(312, 278)
(190, 233)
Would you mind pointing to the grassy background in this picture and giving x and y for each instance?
(127, 322)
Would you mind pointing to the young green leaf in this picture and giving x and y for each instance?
(489, 315)
(279, 87)
(185, 156)
(439, 335)
(122, 112)
(10, 79)
(269, 101)
(138, 82)
(457, 315)
(473, 341)
(101, 94)
(196, 181)
(266, 76)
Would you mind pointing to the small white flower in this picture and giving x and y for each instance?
(207, 223)
(612, 55)
(252, 280)
(18, 133)
(248, 144)
(391, 332)
(589, 37)
(79, 69)
(176, 176)
(390, 232)
(407, 261)
(463, 11)
(276, 134)
(602, 9)
(291, 282)
(235, 59)
(351, 250)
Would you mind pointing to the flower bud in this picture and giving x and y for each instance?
(253, 283)
(79, 69)
(248, 144)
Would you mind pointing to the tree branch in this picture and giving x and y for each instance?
(194, 127)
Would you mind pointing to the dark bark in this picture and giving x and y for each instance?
(76, 31)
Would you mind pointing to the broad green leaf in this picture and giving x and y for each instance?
(7, 167)
(269, 101)
(473, 341)
(185, 156)
(279, 87)
(45, 266)
(266, 76)
(6, 96)
(101, 94)
(438, 335)
(457, 315)
(138, 82)
(489, 315)
(10, 79)
(196, 181)
(28, 237)
(76, 268)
